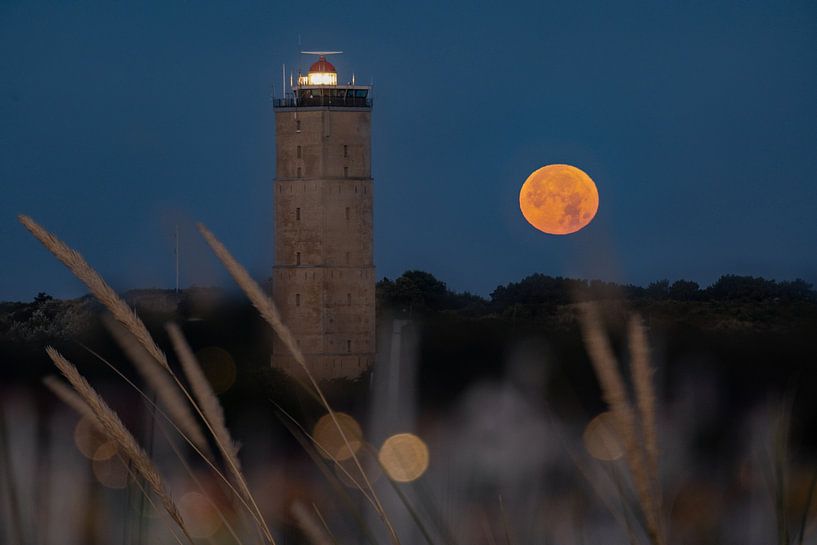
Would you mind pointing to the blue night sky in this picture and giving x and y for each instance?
(696, 119)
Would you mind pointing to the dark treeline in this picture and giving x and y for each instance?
(414, 294)
(420, 292)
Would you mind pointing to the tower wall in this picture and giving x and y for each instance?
(324, 278)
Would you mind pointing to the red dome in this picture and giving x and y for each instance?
(322, 65)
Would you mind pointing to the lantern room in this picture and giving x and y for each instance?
(320, 88)
(321, 72)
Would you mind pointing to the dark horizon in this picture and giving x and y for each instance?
(233, 290)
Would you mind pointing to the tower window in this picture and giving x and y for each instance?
(297, 258)
(345, 150)
(349, 299)
(348, 345)
(299, 152)
(298, 214)
(348, 213)
(298, 125)
(345, 172)
(297, 299)
(299, 172)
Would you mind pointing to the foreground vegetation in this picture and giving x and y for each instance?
(566, 327)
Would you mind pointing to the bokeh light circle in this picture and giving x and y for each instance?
(218, 367)
(91, 442)
(602, 440)
(326, 434)
(199, 514)
(111, 472)
(404, 457)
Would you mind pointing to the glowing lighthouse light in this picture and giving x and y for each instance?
(322, 72)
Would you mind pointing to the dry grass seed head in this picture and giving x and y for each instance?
(209, 403)
(614, 392)
(97, 285)
(116, 431)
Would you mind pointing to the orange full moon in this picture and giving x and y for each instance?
(559, 199)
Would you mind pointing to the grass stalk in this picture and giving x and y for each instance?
(206, 398)
(128, 318)
(615, 395)
(170, 421)
(160, 381)
(116, 431)
(7, 469)
(322, 520)
(309, 524)
(270, 313)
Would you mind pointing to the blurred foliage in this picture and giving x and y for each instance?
(748, 335)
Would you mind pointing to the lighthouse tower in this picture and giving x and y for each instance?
(324, 278)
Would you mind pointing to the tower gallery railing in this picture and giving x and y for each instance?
(307, 102)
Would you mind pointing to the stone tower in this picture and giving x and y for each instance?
(324, 278)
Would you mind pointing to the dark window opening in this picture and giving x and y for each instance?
(299, 172)
(297, 299)
(297, 258)
(299, 152)
(345, 150)
(345, 172)
(298, 214)
(298, 125)
(348, 346)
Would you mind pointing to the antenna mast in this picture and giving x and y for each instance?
(177, 258)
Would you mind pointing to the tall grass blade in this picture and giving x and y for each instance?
(322, 520)
(9, 478)
(253, 512)
(801, 533)
(615, 395)
(207, 400)
(644, 386)
(309, 524)
(116, 431)
(160, 380)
